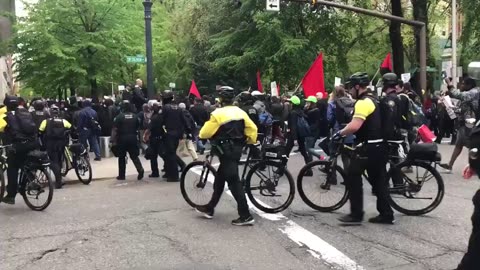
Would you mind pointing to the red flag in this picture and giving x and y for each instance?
(259, 82)
(313, 81)
(194, 90)
(387, 62)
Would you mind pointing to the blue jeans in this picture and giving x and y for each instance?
(87, 134)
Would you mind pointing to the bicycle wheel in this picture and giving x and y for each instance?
(36, 183)
(270, 186)
(83, 169)
(325, 190)
(64, 166)
(2, 184)
(196, 183)
(417, 189)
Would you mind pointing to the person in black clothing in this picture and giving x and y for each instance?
(20, 131)
(367, 127)
(246, 104)
(175, 126)
(322, 105)
(277, 109)
(200, 115)
(293, 133)
(39, 114)
(314, 119)
(125, 139)
(153, 136)
(54, 138)
(471, 259)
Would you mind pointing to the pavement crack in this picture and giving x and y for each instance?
(45, 253)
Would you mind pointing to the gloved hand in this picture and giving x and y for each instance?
(337, 136)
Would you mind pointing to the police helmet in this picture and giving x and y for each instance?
(359, 78)
(38, 105)
(11, 102)
(390, 80)
(126, 106)
(226, 93)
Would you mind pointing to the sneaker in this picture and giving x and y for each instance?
(98, 159)
(8, 200)
(382, 220)
(208, 214)
(249, 221)
(154, 175)
(140, 175)
(120, 177)
(350, 219)
(446, 168)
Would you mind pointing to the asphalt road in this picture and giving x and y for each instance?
(147, 225)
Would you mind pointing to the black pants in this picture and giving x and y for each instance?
(130, 147)
(228, 172)
(301, 147)
(373, 159)
(55, 151)
(15, 162)
(170, 144)
(155, 147)
(471, 260)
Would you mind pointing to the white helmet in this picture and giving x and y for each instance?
(257, 93)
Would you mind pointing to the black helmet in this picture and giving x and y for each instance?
(126, 106)
(359, 78)
(226, 93)
(11, 102)
(38, 105)
(390, 80)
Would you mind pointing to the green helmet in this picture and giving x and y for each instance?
(390, 80)
(311, 99)
(295, 100)
(359, 78)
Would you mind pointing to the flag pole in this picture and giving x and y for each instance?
(298, 87)
(374, 76)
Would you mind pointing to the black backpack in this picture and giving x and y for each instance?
(22, 124)
(344, 112)
(55, 129)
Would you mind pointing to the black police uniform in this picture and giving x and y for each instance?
(127, 125)
(371, 157)
(20, 131)
(175, 125)
(39, 116)
(156, 134)
(55, 140)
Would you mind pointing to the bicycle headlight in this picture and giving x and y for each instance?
(473, 153)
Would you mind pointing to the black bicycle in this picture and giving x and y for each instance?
(34, 179)
(262, 173)
(415, 186)
(76, 157)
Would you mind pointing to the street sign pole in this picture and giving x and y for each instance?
(147, 4)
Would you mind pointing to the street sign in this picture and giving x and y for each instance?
(138, 59)
(171, 85)
(273, 5)
(121, 87)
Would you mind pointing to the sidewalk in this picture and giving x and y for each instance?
(107, 168)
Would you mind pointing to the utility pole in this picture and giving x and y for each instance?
(454, 43)
(147, 4)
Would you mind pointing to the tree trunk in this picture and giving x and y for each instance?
(60, 93)
(420, 13)
(396, 39)
(94, 89)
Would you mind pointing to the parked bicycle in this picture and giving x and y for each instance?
(76, 157)
(415, 186)
(34, 179)
(261, 176)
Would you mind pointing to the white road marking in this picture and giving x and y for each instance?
(316, 246)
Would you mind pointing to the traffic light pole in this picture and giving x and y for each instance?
(147, 4)
(419, 24)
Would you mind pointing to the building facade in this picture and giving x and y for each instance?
(7, 82)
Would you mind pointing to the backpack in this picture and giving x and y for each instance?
(55, 129)
(22, 124)
(303, 128)
(344, 112)
(265, 119)
(415, 115)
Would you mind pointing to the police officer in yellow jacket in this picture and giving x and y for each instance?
(54, 138)
(228, 129)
